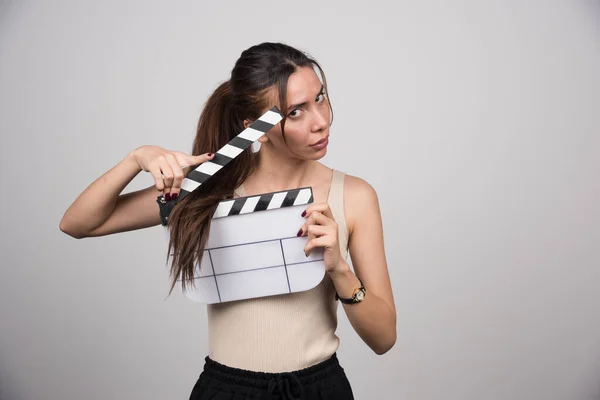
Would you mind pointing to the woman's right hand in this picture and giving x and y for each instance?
(168, 168)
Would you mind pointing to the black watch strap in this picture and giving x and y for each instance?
(165, 207)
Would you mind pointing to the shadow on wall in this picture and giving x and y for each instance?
(9, 15)
(8, 387)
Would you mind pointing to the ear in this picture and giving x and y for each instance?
(246, 123)
(263, 139)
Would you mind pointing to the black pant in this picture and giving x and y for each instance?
(323, 381)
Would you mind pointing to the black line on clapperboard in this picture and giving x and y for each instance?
(284, 264)
(261, 268)
(215, 275)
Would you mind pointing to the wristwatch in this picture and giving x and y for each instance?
(357, 296)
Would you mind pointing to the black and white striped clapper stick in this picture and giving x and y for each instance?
(222, 157)
(231, 150)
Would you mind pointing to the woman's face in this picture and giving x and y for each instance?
(308, 119)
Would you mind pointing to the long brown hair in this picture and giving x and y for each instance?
(245, 96)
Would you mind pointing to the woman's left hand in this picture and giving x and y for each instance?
(322, 231)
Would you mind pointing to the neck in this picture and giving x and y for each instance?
(277, 172)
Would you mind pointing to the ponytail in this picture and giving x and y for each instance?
(189, 222)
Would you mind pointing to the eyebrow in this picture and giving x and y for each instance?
(299, 105)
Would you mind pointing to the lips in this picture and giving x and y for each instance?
(320, 141)
(321, 144)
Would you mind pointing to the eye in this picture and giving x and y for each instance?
(293, 114)
(322, 96)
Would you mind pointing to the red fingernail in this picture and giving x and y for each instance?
(174, 196)
(304, 213)
(210, 154)
(168, 196)
(299, 232)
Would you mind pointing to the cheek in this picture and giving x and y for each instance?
(295, 135)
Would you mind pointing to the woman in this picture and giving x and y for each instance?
(281, 346)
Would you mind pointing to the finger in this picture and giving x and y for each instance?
(310, 233)
(316, 231)
(323, 208)
(158, 179)
(168, 176)
(177, 175)
(189, 162)
(304, 228)
(317, 218)
(322, 241)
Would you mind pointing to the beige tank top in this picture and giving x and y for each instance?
(284, 332)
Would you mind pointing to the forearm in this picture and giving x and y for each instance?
(95, 204)
(373, 319)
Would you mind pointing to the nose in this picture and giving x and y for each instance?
(320, 119)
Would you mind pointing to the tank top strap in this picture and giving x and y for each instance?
(335, 200)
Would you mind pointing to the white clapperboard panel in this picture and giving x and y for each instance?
(253, 251)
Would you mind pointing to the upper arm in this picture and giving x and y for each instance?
(134, 210)
(365, 240)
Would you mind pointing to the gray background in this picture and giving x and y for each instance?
(477, 123)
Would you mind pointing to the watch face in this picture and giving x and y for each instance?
(360, 295)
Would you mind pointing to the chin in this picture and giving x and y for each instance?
(319, 154)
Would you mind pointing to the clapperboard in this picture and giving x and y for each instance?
(252, 249)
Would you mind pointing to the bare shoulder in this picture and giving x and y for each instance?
(356, 186)
(360, 198)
